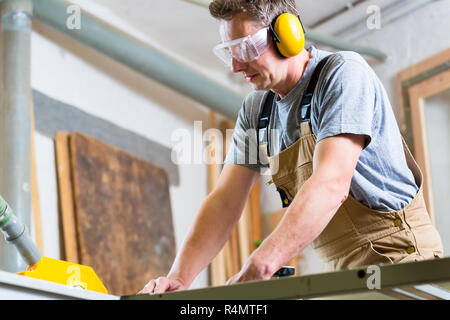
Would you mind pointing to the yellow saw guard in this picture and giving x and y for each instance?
(67, 273)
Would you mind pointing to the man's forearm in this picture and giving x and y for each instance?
(206, 238)
(309, 213)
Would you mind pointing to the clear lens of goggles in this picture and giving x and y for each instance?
(244, 49)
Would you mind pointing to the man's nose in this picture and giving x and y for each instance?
(237, 66)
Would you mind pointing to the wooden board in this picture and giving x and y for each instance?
(123, 215)
(65, 198)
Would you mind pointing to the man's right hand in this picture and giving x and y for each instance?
(161, 285)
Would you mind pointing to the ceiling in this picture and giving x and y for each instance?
(186, 30)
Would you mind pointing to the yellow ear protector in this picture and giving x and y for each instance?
(288, 34)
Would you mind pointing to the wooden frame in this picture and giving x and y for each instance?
(415, 74)
(414, 85)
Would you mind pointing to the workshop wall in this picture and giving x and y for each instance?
(408, 40)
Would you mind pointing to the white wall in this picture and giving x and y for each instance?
(408, 40)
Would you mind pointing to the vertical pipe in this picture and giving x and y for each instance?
(15, 163)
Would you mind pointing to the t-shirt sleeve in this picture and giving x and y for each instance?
(243, 147)
(346, 101)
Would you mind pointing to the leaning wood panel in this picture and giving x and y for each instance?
(123, 215)
(65, 197)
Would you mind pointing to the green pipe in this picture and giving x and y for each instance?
(15, 125)
(138, 56)
(16, 234)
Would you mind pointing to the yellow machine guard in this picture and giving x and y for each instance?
(70, 274)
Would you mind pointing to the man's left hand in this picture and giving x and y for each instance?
(254, 269)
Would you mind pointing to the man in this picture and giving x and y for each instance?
(336, 157)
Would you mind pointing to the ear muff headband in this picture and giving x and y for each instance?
(288, 34)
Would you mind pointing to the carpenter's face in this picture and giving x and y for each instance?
(260, 73)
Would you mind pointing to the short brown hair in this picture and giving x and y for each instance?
(263, 11)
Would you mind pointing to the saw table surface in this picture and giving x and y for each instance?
(422, 280)
(416, 280)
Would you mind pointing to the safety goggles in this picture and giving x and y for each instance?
(244, 49)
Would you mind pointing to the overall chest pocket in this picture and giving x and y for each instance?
(293, 181)
(292, 167)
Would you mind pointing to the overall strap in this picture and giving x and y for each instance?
(263, 125)
(305, 106)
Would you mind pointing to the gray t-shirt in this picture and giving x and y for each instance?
(349, 98)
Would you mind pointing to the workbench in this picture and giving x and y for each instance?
(422, 280)
(416, 280)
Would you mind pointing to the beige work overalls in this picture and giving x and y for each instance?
(358, 235)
